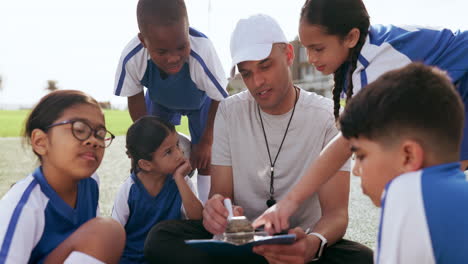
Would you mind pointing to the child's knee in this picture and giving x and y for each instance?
(103, 238)
(108, 229)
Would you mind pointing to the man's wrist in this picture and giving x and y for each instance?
(322, 245)
(312, 248)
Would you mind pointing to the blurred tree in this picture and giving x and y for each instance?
(51, 85)
(1, 83)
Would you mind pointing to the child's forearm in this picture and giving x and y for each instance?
(137, 106)
(193, 206)
(332, 158)
(208, 131)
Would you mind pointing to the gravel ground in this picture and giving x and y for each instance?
(17, 161)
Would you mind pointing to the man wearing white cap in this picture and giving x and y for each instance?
(264, 139)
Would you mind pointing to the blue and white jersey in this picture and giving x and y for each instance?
(391, 47)
(138, 212)
(201, 76)
(424, 217)
(34, 220)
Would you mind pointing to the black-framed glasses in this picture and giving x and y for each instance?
(82, 131)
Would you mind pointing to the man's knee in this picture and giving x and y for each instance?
(163, 231)
(346, 251)
(165, 242)
(157, 240)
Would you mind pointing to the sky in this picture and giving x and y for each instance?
(78, 43)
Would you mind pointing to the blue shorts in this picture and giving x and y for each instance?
(196, 118)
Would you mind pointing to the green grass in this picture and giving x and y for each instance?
(12, 122)
(117, 121)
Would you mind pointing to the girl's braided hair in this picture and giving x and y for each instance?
(339, 17)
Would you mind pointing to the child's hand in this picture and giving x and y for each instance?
(183, 170)
(276, 218)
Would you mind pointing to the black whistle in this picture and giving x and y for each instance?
(270, 202)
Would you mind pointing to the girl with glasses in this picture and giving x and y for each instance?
(51, 215)
(158, 188)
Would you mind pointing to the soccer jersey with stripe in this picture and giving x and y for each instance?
(391, 47)
(34, 220)
(201, 76)
(138, 212)
(424, 216)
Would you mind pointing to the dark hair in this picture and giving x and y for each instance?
(51, 107)
(160, 12)
(145, 136)
(339, 17)
(416, 101)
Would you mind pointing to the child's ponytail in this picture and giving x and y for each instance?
(338, 87)
(354, 56)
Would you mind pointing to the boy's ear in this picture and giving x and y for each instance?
(352, 38)
(144, 164)
(142, 40)
(39, 141)
(413, 154)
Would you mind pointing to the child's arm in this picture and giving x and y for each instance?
(206, 71)
(137, 106)
(320, 171)
(130, 71)
(201, 155)
(95, 176)
(20, 230)
(121, 210)
(190, 202)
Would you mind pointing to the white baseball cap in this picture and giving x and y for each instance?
(253, 38)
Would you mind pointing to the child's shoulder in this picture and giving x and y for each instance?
(26, 194)
(200, 44)
(134, 52)
(195, 33)
(127, 184)
(403, 192)
(414, 41)
(94, 178)
(445, 184)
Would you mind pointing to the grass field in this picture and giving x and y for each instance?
(117, 121)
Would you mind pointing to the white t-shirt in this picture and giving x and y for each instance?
(239, 142)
